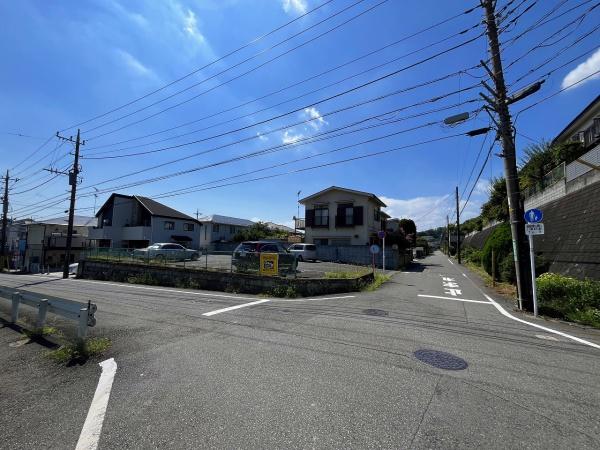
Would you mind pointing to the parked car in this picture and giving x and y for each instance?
(73, 268)
(304, 252)
(167, 251)
(246, 257)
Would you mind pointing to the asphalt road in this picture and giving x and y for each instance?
(308, 373)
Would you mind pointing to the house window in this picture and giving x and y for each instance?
(321, 216)
(349, 216)
(169, 225)
(377, 215)
(188, 227)
(215, 227)
(231, 229)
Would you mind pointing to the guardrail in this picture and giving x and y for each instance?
(82, 313)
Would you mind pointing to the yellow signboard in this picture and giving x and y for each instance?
(269, 264)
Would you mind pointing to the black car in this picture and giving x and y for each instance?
(246, 257)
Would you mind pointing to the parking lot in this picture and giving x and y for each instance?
(317, 269)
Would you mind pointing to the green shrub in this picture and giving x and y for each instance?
(569, 298)
(500, 241)
(471, 254)
(506, 269)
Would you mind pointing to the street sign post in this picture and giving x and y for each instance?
(374, 249)
(531, 229)
(381, 235)
(533, 215)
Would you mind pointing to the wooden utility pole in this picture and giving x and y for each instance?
(73, 176)
(448, 231)
(457, 227)
(505, 130)
(4, 222)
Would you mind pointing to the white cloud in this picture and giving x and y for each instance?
(316, 119)
(294, 6)
(121, 11)
(262, 137)
(290, 137)
(134, 65)
(190, 26)
(586, 68)
(482, 187)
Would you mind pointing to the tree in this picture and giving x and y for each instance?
(257, 232)
(409, 228)
(496, 208)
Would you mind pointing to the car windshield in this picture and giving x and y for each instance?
(246, 247)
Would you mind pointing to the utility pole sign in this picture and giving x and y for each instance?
(533, 226)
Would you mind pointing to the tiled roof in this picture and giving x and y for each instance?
(78, 221)
(158, 209)
(226, 220)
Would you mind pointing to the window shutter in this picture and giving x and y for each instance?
(340, 216)
(310, 217)
(358, 215)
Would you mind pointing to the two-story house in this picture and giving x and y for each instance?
(133, 221)
(340, 216)
(46, 242)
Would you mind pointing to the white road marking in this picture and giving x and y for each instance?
(549, 330)
(90, 433)
(450, 261)
(316, 299)
(464, 275)
(231, 308)
(174, 291)
(455, 299)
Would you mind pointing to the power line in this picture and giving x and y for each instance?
(253, 113)
(189, 74)
(231, 67)
(478, 176)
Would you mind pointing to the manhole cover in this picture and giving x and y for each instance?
(375, 312)
(441, 360)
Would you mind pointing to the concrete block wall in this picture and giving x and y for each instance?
(360, 255)
(554, 192)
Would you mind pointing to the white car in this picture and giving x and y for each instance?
(304, 252)
(73, 268)
(167, 251)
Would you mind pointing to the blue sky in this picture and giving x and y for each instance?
(66, 62)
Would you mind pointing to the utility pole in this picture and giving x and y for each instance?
(73, 175)
(500, 106)
(457, 227)
(448, 232)
(4, 221)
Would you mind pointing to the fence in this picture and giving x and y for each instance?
(552, 177)
(82, 313)
(361, 255)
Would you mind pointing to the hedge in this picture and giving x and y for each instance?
(569, 298)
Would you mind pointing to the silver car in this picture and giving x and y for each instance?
(304, 252)
(167, 252)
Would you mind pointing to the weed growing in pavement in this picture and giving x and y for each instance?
(41, 332)
(80, 351)
(378, 280)
(284, 291)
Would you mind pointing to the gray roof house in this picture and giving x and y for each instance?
(133, 221)
(217, 228)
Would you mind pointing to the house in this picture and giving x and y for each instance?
(46, 241)
(217, 228)
(573, 176)
(340, 216)
(16, 239)
(133, 221)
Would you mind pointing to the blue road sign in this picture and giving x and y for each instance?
(533, 215)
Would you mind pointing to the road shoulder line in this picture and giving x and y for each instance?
(231, 308)
(455, 299)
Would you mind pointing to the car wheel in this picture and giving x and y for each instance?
(159, 258)
(195, 257)
(300, 259)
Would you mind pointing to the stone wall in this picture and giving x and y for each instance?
(217, 281)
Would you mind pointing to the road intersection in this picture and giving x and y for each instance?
(210, 369)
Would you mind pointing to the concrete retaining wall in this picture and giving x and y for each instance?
(360, 255)
(217, 281)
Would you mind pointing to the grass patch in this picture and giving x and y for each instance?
(284, 291)
(377, 282)
(501, 287)
(41, 332)
(345, 275)
(80, 351)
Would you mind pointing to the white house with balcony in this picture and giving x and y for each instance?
(339, 216)
(585, 170)
(133, 221)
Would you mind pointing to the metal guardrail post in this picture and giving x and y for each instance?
(14, 314)
(42, 310)
(83, 323)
